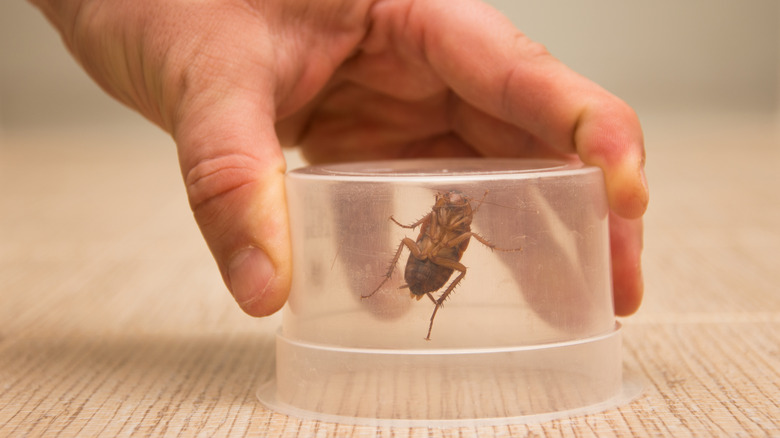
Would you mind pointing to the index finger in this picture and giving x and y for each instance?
(496, 68)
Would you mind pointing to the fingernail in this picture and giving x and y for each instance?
(643, 179)
(643, 194)
(250, 272)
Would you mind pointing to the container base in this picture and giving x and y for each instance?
(448, 388)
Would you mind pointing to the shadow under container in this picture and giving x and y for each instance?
(527, 334)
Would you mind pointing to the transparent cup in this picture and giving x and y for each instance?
(527, 329)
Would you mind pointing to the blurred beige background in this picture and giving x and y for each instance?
(659, 56)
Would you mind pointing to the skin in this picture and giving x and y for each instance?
(235, 80)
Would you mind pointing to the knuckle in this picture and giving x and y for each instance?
(215, 178)
(527, 54)
(530, 48)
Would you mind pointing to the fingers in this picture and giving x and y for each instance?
(496, 138)
(508, 76)
(502, 72)
(234, 175)
(626, 249)
(609, 136)
(356, 122)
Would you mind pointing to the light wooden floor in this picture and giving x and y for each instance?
(114, 321)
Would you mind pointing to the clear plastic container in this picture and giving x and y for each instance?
(527, 331)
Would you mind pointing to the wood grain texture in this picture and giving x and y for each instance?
(114, 320)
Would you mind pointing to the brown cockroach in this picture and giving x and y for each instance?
(445, 233)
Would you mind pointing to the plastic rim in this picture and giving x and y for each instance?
(630, 388)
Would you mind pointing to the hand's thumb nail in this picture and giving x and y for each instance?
(250, 272)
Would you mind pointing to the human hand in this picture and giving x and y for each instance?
(234, 80)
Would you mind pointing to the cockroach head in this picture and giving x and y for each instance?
(452, 197)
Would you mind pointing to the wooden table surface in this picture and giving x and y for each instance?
(114, 321)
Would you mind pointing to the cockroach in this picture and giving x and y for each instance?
(445, 233)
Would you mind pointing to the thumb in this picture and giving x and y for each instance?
(233, 170)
